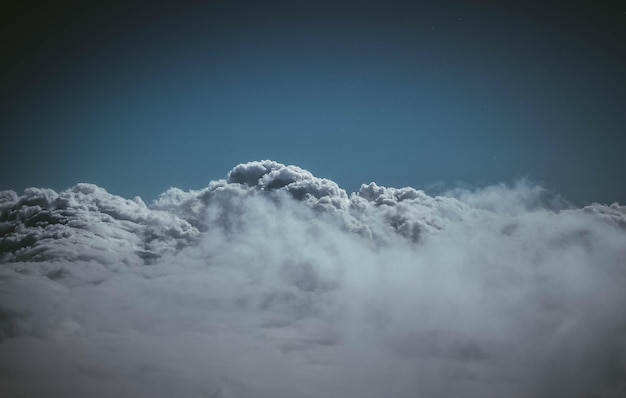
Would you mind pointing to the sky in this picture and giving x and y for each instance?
(139, 97)
(274, 282)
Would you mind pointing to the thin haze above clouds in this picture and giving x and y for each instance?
(276, 283)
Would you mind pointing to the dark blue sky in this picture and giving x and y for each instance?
(140, 98)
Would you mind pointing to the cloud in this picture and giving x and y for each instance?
(86, 223)
(277, 283)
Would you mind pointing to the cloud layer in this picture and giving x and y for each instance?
(276, 283)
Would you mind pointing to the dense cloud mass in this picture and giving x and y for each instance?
(276, 283)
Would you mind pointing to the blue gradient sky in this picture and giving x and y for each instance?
(140, 98)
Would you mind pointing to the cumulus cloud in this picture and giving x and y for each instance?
(277, 283)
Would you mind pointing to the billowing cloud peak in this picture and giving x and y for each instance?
(269, 175)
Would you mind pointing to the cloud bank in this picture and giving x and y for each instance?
(276, 283)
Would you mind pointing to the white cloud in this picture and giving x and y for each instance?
(276, 283)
